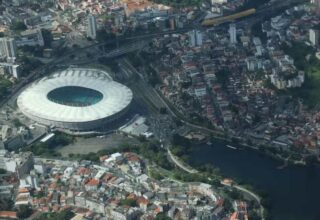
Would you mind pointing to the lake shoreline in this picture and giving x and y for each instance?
(288, 186)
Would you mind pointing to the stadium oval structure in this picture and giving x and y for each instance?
(75, 99)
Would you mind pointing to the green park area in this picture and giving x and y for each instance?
(48, 149)
(5, 84)
(305, 60)
(310, 91)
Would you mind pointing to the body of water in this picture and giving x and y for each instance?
(294, 191)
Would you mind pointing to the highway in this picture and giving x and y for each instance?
(142, 88)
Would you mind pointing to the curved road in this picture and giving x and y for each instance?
(179, 164)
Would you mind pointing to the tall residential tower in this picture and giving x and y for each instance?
(233, 34)
(92, 27)
(8, 48)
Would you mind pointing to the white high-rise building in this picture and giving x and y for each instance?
(8, 48)
(219, 1)
(10, 68)
(314, 37)
(3, 153)
(15, 71)
(199, 38)
(233, 33)
(20, 163)
(92, 27)
(192, 38)
(195, 38)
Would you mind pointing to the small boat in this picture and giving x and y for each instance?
(229, 146)
(209, 143)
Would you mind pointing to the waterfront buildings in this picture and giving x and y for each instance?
(112, 188)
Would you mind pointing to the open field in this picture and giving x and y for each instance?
(86, 145)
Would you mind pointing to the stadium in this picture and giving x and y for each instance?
(75, 99)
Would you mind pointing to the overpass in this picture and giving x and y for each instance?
(124, 49)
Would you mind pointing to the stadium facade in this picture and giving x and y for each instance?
(76, 99)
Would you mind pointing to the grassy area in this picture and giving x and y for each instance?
(5, 84)
(48, 149)
(63, 215)
(310, 90)
(305, 60)
(299, 52)
(148, 149)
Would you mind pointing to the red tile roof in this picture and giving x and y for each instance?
(93, 182)
(8, 214)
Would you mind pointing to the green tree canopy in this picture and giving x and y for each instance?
(18, 26)
(24, 211)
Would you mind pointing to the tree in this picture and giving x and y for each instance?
(47, 37)
(177, 151)
(298, 51)
(142, 138)
(253, 215)
(228, 205)
(256, 30)
(311, 160)
(163, 110)
(3, 171)
(16, 122)
(24, 211)
(63, 215)
(234, 194)
(223, 77)
(156, 175)
(179, 140)
(103, 36)
(6, 204)
(40, 194)
(128, 202)
(162, 216)
(30, 63)
(18, 26)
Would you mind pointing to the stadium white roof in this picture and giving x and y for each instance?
(34, 99)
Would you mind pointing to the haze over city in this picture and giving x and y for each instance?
(159, 109)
